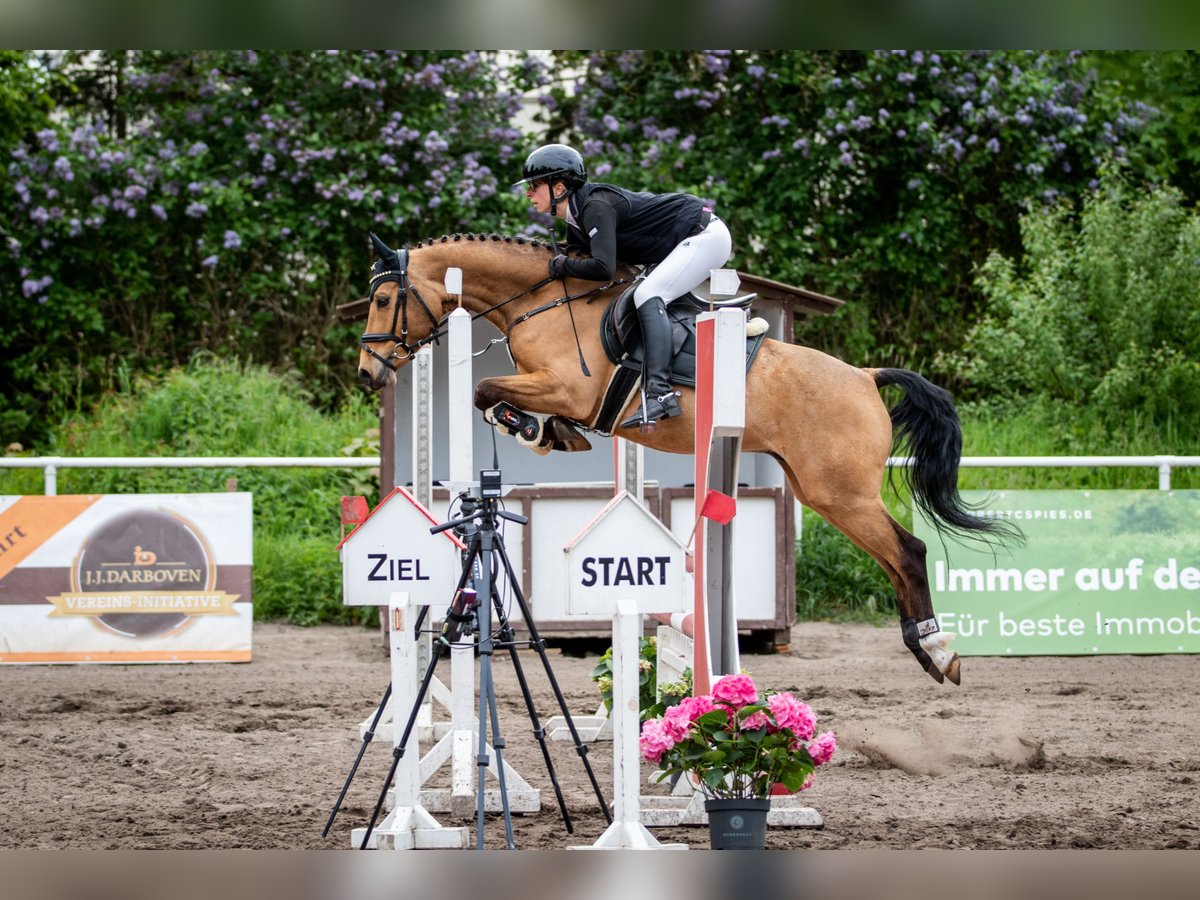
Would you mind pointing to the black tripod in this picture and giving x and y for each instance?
(484, 548)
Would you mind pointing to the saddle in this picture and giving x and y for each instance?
(621, 336)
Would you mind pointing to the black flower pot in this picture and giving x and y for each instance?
(738, 823)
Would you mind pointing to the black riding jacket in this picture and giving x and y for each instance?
(634, 227)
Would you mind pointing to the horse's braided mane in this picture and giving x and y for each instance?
(498, 238)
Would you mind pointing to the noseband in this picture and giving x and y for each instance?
(399, 274)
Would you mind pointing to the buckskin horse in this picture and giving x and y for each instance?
(821, 419)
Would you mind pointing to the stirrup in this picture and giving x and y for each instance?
(654, 409)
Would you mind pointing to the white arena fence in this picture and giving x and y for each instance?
(50, 465)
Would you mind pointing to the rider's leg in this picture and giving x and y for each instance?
(661, 401)
(685, 267)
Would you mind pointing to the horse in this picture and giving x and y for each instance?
(822, 419)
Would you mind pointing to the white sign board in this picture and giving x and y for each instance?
(126, 578)
(625, 553)
(393, 550)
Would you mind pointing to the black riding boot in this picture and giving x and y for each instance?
(659, 399)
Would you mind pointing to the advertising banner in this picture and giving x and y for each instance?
(125, 578)
(1099, 572)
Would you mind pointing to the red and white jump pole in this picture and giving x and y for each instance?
(720, 421)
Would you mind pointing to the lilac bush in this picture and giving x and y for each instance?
(221, 200)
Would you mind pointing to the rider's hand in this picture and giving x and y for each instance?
(558, 266)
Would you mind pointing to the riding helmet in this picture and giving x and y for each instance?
(555, 161)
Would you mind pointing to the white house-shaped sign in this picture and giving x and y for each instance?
(625, 553)
(392, 550)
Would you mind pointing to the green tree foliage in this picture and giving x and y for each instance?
(1163, 80)
(877, 177)
(220, 200)
(1102, 310)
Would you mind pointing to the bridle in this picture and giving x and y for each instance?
(399, 274)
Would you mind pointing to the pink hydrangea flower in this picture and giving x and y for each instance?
(793, 714)
(737, 690)
(821, 747)
(654, 742)
(694, 707)
(759, 719)
(675, 724)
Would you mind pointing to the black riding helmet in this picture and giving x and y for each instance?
(556, 162)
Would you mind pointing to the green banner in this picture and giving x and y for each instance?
(1099, 572)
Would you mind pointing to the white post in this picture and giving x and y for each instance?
(626, 831)
(462, 659)
(422, 479)
(629, 468)
(422, 430)
(409, 825)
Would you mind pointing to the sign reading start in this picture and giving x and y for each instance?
(625, 553)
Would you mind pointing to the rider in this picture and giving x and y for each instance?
(675, 230)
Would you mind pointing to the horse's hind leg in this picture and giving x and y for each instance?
(902, 556)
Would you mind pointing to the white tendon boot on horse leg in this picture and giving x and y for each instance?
(931, 646)
(945, 659)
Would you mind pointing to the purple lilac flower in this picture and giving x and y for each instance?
(232, 240)
(196, 210)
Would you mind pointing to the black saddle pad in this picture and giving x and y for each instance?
(622, 335)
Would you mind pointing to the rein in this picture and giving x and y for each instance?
(561, 301)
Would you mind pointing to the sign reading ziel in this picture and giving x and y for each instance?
(1099, 572)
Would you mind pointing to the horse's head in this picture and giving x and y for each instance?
(399, 321)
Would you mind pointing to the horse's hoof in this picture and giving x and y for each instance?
(936, 674)
(952, 671)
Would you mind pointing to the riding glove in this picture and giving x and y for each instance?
(558, 266)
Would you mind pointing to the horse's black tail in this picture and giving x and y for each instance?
(928, 431)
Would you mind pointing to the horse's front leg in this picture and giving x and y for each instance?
(520, 404)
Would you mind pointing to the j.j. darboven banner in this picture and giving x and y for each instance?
(125, 578)
(1098, 572)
